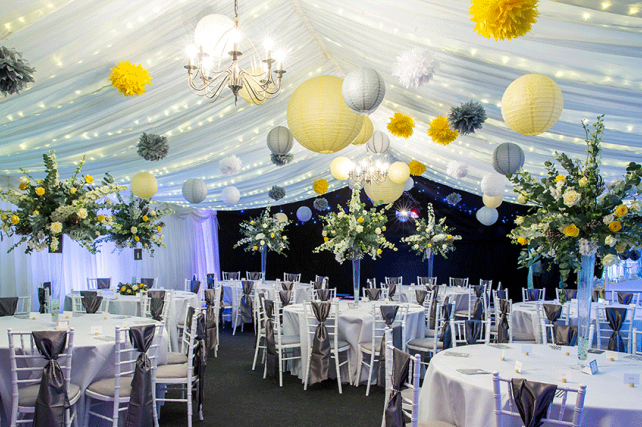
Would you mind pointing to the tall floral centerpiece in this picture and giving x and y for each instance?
(264, 233)
(431, 237)
(354, 233)
(48, 208)
(576, 216)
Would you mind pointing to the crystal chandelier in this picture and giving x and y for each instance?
(216, 36)
(368, 171)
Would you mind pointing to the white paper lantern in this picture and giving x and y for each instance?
(409, 184)
(508, 158)
(280, 140)
(194, 190)
(379, 143)
(230, 195)
(487, 216)
(281, 217)
(213, 35)
(399, 172)
(363, 90)
(493, 185)
(144, 185)
(340, 167)
(385, 193)
(492, 202)
(304, 213)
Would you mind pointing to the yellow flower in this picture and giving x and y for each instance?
(14, 219)
(101, 217)
(320, 186)
(583, 182)
(36, 212)
(440, 131)
(55, 227)
(137, 238)
(325, 239)
(129, 79)
(122, 288)
(3, 217)
(521, 199)
(89, 179)
(620, 248)
(450, 236)
(429, 245)
(503, 19)
(82, 213)
(401, 125)
(251, 222)
(379, 251)
(571, 230)
(416, 168)
(255, 248)
(559, 178)
(281, 229)
(621, 211)
(40, 191)
(159, 228)
(383, 228)
(615, 226)
(22, 185)
(360, 220)
(272, 235)
(522, 241)
(145, 218)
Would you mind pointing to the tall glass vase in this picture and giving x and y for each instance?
(584, 298)
(429, 257)
(264, 252)
(356, 278)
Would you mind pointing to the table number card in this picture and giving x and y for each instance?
(527, 349)
(96, 330)
(351, 305)
(62, 325)
(632, 379)
(518, 367)
(591, 369)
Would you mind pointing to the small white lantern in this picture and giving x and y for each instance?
(194, 190)
(493, 185)
(487, 216)
(281, 217)
(363, 90)
(379, 143)
(230, 195)
(409, 184)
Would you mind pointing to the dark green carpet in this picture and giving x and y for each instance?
(237, 396)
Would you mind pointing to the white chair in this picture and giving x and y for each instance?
(364, 293)
(398, 280)
(459, 332)
(99, 283)
(261, 338)
(314, 295)
(604, 331)
(472, 300)
(539, 293)
(487, 283)
(431, 343)
(559, 291)
(575, 415)
(231, 275)
(284, 343)
(151, 282)
(637, 338)
(217, 311)
(548, 333)
(494, 329)
(426, 280)
(236, 306)
(253, 275)
(77, 307)
(24, 306)
(292, 277)
(615, 299)
(47, 290)
(117, 389)
(458, 281)
(26, 373)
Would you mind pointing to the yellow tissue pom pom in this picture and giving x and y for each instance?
(401, 125)
(320, 186)
(416, 168)
(503, 19)
(40, 191)
(129, 79)
(440, 131)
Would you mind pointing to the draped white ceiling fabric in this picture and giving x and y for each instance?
(590, 48)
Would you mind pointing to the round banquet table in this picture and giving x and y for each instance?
(93, 355)
(467, 400)
(355, 327)
(455, 294)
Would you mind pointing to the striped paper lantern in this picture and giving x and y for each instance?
(194, 190)
(487, 216)
(379, 143)
(363, 90)
(366, 132)
(493, 185)
(508, 158)
(280, 140)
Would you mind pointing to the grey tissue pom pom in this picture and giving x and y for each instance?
(281, 159)
(153, 147)
(453, 198)
(321, 204)
(467, 117)
(276, 192)
(15, 72)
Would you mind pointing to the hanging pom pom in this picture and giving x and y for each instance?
(15, 72)
(281, 159)
(230, 165)
(321, 204)
(130, 79)
(503, 19)
(152, 147)
(457, 170)
(467, 118)
(440, 132)
(415, 67)
(416, 168)
(453, 198)
(320, 186)
(401, 125)
(276, 192)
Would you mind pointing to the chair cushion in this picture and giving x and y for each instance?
(106, 387)
(367, 346)
(171, 371)
(27, 395)
(176, 358)
(422, 344)
(290, 339)
(433, 424)
(342, 344)
(429, 333)
(461, 313)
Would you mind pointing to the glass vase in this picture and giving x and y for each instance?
(264, 252)
(429, 257)
(55, 310)
(584, 298)
(356, 278)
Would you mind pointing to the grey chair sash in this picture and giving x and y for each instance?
(373, 293)
(532, 400)
(195, 286)
(433, 309)
(420, 296)
(565, 334)
(211, 336)
(149, 282)
(570, 293)
(473, 330)
(320, 355)
(211, 275)
(271, 359)
(156, 293)
(478, 308)
(156, 308)
(200, 360)
(235, 275)
(616, 317)
(532, 294)
(624, 297)
(400, 369)
(503, 335)
(103, 283)
(140, 410)
(210, 282)
(388, 313)
(52, 399)
(285, 297)
(392, 290)
(595, 296)
(424, 280)
(42, 304)
(394, 280)
(253, 275)
(292, 277)
(287, 286)
(92, 303)
(552, 312)
(446, 333)
(246, 301)
(397, 337)
(501, 294)
(459, 281)
(319, 284)
(323, 294)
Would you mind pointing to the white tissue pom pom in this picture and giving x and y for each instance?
(230, 165)
(457, 170)
(415, 67)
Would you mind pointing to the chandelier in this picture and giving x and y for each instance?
(217, 39)
(368, 171)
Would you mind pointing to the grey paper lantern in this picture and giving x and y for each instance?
(409, 184)
(379, 143)
(508, 158)
(487, 216)
(363, 90)
(194, 190)
(280, 140)
(304, 213)
(230, 195)
(493, 185)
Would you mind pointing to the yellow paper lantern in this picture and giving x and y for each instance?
(340, 168)
(247, 95)
(492, 202)
(366, 132)
(385, 193)
(399, 172)
(144, 185)
(318, 117)
(532, 104)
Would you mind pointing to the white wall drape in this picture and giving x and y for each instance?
(191, 237)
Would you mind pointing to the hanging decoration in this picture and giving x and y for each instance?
(467, 118)
(532, 104)
(457, 169)
(409, 184)
(280, 142)
(321, 204)
(415, 67)
(508, 158)
(340, 168)
(503, 19)
(15, 72)
(230, 195)
(440, 131)
(276, 192)
(401, 125)
(304, 213)
(363, 90)
(281, 217)
(230, 165)
(281, 159)
(130, 79)
(487, 216)
(144, 185)
(493, 185)
(379, 143)
(194, 190)
(416, 168)
(265, 232)
(384, 193)
(492, 202)
(399, 172)
(153, 147)
(318, 117)
(320, 186)
(366, 132)
(432, 236)
(252, 87)
(453, 198)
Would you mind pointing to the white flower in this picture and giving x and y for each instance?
(24, 179)
(262, 242)
(613, 184)
(341, 214)
(609, 260)
(285, 237)
(444, 247)
(608, 219)
(264, 225)
(521, 199)
(152, 213)
(134, 230)
(359, 229)
(82, 213)
(610, 240)
(587, 247)
(519, 220)
(97, 233)
(40, 235)
(415, 246)
(260, 236)
(55, 227)
(377, 230)
(636, 206)
(571, 198)
(162, 236)
(325, 233)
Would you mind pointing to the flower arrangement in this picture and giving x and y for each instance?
(401, 125)
(576, 214)
(131, 288)
(264, 232)
(432, 236)
(48, 208)
(353, 233)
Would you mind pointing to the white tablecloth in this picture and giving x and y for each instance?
(355, 327)
(467, 400)
(230, 288)
(92, 360)
(455, 294)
